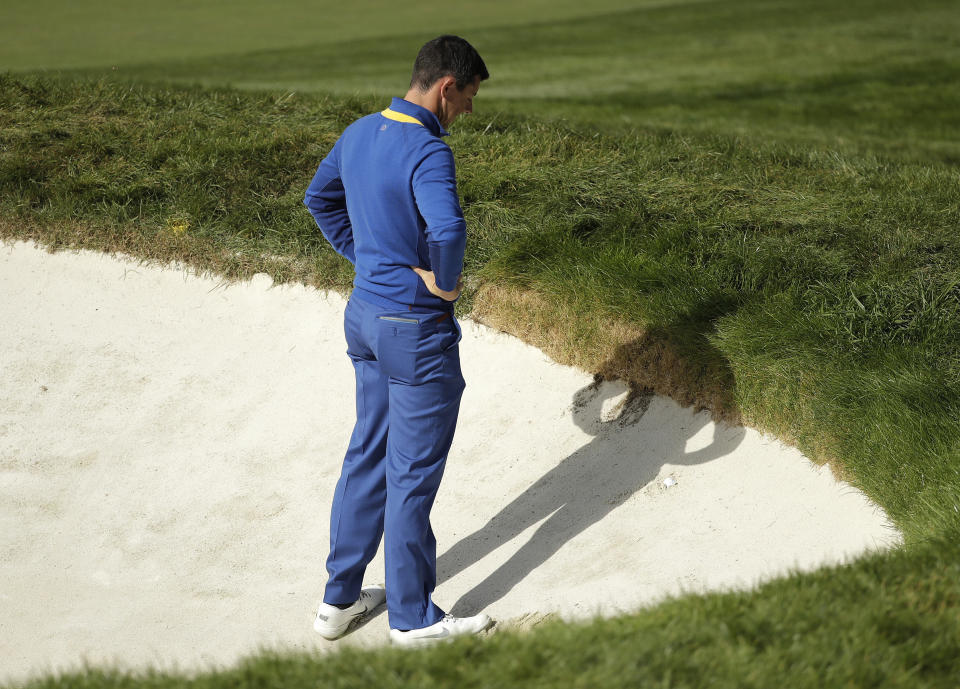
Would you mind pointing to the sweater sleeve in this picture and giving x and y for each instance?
(435, 192)
(327, 202)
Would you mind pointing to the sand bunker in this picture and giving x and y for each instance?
(169, 446)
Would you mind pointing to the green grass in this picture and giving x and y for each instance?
(768, 190)
(856, 75)
(54, 34)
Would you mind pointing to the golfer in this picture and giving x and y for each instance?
(385, 197)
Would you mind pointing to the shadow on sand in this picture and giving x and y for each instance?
(624, 455)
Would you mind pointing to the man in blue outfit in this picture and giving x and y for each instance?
(385, 197)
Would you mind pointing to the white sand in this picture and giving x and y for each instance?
(169, 447)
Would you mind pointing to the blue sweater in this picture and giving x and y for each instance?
(385, 197)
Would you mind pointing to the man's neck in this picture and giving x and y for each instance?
(425, 99)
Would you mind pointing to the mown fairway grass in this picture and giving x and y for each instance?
(55, 34)
(750, 207)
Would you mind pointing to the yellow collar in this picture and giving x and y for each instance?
(400, 117)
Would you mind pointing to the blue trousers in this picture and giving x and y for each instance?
(409, 384)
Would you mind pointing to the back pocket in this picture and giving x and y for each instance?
(398, 341)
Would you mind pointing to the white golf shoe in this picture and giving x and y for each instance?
(447, 628)
(331, 622)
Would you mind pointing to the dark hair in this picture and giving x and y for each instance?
(447, 55)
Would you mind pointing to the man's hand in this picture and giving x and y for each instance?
(431, 282)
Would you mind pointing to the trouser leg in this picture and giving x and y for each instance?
(357, 515)
(423, 419)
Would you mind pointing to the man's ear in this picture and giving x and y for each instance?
(447, 85)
